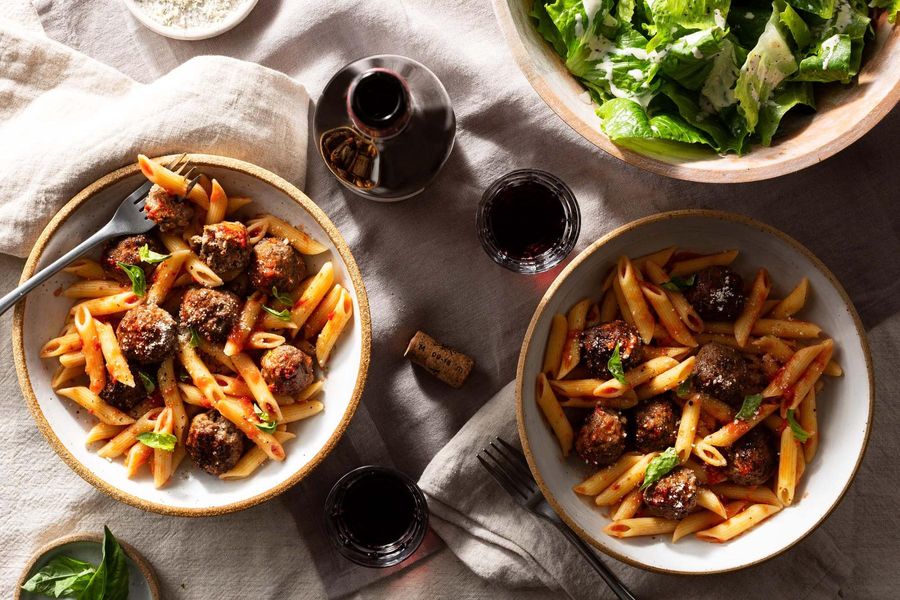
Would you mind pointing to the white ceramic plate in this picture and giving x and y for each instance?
(193, 33)
(845, 406)
(191, 492)
(142, 584)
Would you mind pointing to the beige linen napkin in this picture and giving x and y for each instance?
(502, 542)
(66, 120)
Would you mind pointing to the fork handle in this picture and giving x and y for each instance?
(10, 299)
(608, 576)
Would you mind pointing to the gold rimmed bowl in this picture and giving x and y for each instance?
(845, 406)
(191, 492)
(844, 113)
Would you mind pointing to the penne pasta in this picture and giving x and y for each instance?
(300, 410)
(264, 340)
(108, 305)
(710, 501)
(91, 349)
(792, 397)
(559, 327)
(85, 268)
(71, 342)
(173, 183)
(792, 303)
(668, 316)
(243, 326)
(253, 459)
(625, 483)
(128, 436)
(640, 526)
(240, 412)
(64, 375)
(793, 370)
(759, 494)
(777, 327)
(672, 352)
(137, 456)
(602, 479)
(236, 203)
(739, 523)
(687, 428)
(554, 414)
(218, 204)
(337, 322)
(199, 270)
(95, 405)
(300, 240)
(162, 459)
(165, 275)
(115, 361)
(315, 291)
(787, 467)
(753, 307)
(248, 370)
(667, 380)
(808, 419)
(102, 432)
(608, 306)
(571, 352)
(217, 354)
(94, 288)
(660, 258)
(634, 298)
(692, 265)
(323, 311)
(168, 387)
(685, 311)
(629, 505)
(621, 303)
(199, 372)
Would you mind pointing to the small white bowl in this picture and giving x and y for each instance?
(845, 408)
(191, 492)
(192, 33)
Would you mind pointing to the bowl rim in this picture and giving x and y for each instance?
(136, 557)
(575, 264)
(683, 171)
(303, 202)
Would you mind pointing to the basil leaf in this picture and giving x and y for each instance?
(800, 434)
(61, 577)
(677, 284)
(137, 277)
(614, 365)
(659, 467)
(684, 389)
(149, 256)
(284, 315)
(267, 425)
(148, 382)
(749, 407)
(195, 338)
(160, 441)
(110, 581)
(283, 298)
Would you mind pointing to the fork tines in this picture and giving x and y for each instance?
(509, 468)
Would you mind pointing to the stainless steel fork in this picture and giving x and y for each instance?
(508, 467)
(129, 219)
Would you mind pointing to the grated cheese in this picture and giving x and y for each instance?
(188, 14)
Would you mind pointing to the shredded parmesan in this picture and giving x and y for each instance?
(187, 14)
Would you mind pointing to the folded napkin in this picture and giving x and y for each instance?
(502, 542)
(66, 120)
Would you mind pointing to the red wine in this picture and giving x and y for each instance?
(378, 509)
(526, 219)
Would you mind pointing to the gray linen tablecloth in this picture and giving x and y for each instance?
(424, 268)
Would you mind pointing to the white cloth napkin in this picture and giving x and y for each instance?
(502, 542)
(66, 120)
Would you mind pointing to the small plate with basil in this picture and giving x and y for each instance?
(88, 567)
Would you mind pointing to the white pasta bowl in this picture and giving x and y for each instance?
(190, 492)
(844, 408)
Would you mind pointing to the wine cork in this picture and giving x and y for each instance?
(449, 365)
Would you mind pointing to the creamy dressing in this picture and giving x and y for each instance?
(829, 47)
(591, 8)
(719, 86)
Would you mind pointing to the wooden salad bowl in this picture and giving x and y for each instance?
(844, 113)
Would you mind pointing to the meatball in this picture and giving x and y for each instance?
(654, 425)
(210, 313)
(751, 459)
(286, 369)
(717, 294)
(124, 397)
(214, 442)
(127, 250)
(223, 246)
(598, 344)
(601, 440)
(275, 263)
(147, 334)
(674, 495)
(724, 373)
(171, 213)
